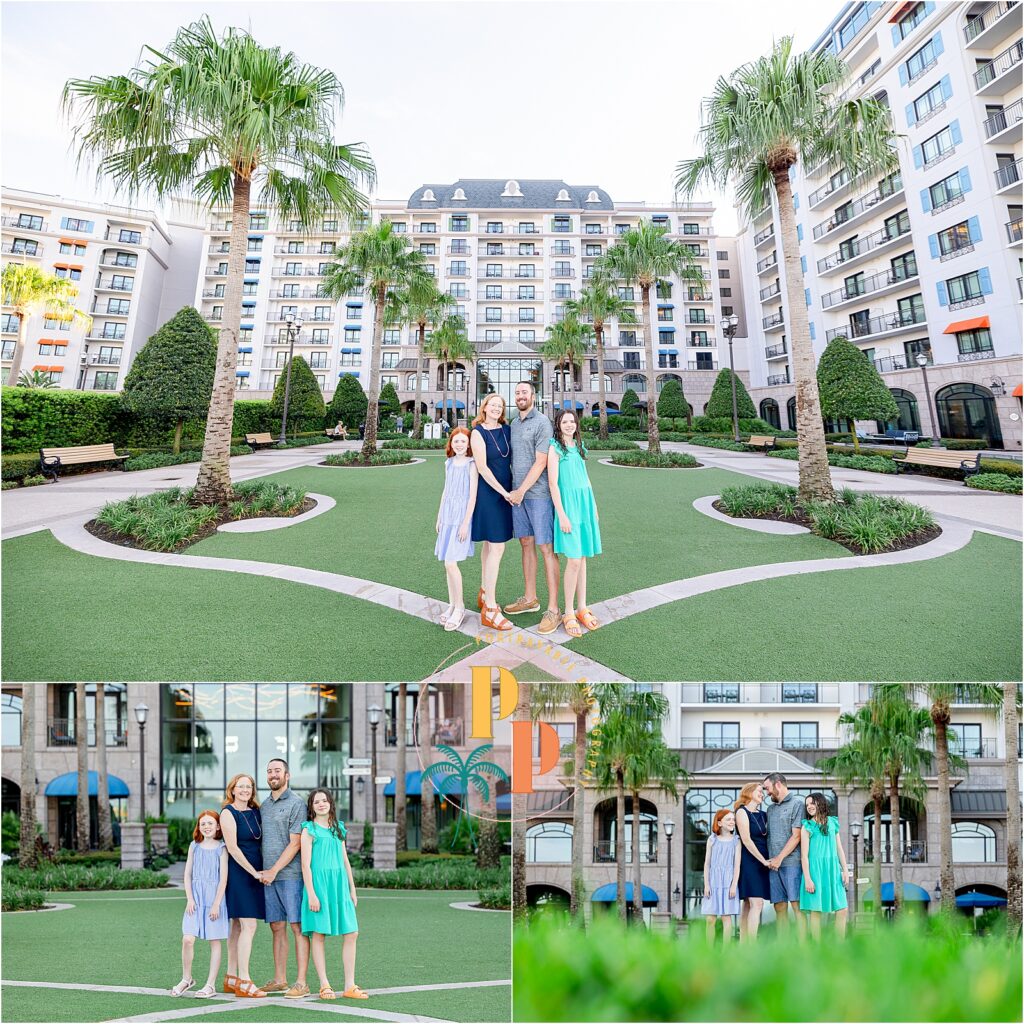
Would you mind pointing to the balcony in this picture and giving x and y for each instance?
(284, 271)
(975, 357)
(913, 852)
(770, 292)
(878, 199)
(776, 351)
(511, 295)
(1005, 125)
(301, 339)
(604, 852)
(703, 297)
(834, 189)
(857, 249)
(773, 322)
(768, 263)
(754, 742)
(323, 318)
(887, 364)
(458, 250)
(565, 272)
(23, 225)
(61, 733)
(778, 378)
(106, 337)
(1008, 176)
(118, 263)
(99, 359)
(879, 326)
(449, 731)
(764, 236)
(97, 311)
(110, 285)
(20, 249)
(454, 271)
(297, 293)
(711, 364)
(123, 236)
(877, 284)
(987, 747)
(991, 26)
(991, 78)
(219, 248)
(692, 322)
(215, 272)
(562, 250)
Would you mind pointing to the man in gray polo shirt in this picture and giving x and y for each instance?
(785, 819)
(533, 513)
(283, 816)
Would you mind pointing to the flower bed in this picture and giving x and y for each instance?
(652, 460)
(382, 458)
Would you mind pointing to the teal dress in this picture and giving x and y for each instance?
(826, 872)
(578, 502)
(337, 913)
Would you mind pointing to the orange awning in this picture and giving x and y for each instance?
(34, 368)
(55, 369)
(67, 241)
(1018, 391)
(967, 325)
(901, 9)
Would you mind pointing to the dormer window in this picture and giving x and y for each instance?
(512, 189)
(459, 193)
(563, 196)
(592, 196)
(428, 196)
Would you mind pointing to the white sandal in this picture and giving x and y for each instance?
(446, 614)
(206, 992)
(454, 620)
(182, 987)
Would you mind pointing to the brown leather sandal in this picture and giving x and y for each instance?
(571, 626)
(492, 618)
(585, 617)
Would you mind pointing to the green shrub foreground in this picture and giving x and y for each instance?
(81, 877)
(652, 460)
(453, 873)
(382, 458)
(16, 897)
(995, 482)
(910, 972)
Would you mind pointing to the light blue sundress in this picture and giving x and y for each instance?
(454, 503)
(205, 881)
(719, 881)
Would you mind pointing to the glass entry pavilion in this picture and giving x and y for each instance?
(501, 375)
(212, 731)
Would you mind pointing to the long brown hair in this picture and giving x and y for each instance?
(229, 790)
(332, 815)
(560, 414)
(479, 417)
(820, 811)
(746, 795)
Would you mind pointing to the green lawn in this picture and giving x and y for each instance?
(400, 944)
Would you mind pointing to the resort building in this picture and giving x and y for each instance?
(729, 734)
(924, 261)
(133, 271)
(194, 737)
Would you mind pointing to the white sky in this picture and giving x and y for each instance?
(596, 93)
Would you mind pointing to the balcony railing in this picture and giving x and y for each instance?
(566, 272)
(886, 364)
(110, 286)
(891, 186)
(112, 359)
(986, 18)
(771, 291)
(562, 250)
(1014, 230)
(975, 357)
(763, 236)
(751, 742)
(1008, 174)
(913, 852)
(458, 250)
(448, 731)
(775, 320)
(510, 295)
(778, 378)
(17, 222)
(767, 263)
(1003, 119)
(999, 65)
(860, 246)
(826, 190)
(117, 235)
(985, 747)
(283, 271)
(774, 351)
(883, 324)
(604, 852)
(711, 364)
(61, 733)
(869, 285)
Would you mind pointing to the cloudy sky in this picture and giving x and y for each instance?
(596, 93)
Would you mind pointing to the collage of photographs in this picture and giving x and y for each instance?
(557, 558)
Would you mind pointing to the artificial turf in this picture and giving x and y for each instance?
(957, 617)
(398, 945)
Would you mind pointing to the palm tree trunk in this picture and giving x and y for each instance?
(653, 436)
(488, 854)
(940, 716)
(27, 826)
(519, 904)
(82, 753)
(815, 479)
(896, 839)
(638, 891)
(602, 431)
(444, 388)
(620, 844)
(416, 424)
(106, 833)
(19, 348)
(876, 846)
(428, 810)
(1013, 877)
(213, 485)
(401, 840)
(373, 400)
(577, 896)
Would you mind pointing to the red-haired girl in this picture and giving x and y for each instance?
(454, 522)
(721, 874)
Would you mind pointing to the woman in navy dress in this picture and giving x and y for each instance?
(754, 886)
(491, 444)
(242, 828)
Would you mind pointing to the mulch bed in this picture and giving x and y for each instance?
(126, 540)
(914, 540)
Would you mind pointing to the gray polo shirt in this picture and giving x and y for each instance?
(783, 817)
(282, 819)
(530, 436)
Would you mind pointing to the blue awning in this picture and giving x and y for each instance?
(67, 785)
(353, 303)
(980, 899)
(607, 894)
(910, 892)
(669, 351)
(346, 351)
(245, 348)
(665, 305)
(241, 373)
(253, 280)
(248, 302)
(353, 327)
(414, 786)
(447, 404)
(351, 373)
(666, 330)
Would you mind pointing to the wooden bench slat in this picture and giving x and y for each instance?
(51, 460)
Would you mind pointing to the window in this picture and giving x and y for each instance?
(799, 693)
(699, 339)
(667, 361)
(105, 380)
(727, 311)
(318, 360)
(492, 314)
(562, 224)
(593, 249)
(68, 273)
(974, 341)
(965, 740)
(631, 361)
(30, 247)
(493, 249)
(621, 229)
(527, 228)
(119, 307)
(529, 270)
(427, 228)
(904, 267)
(560, 248)
(698, 316)
(965, 287)
(121, 283)
(459, 222)
(349, 358)
(932, 100)
(527, 314)
(894, 226)
(109, 355)
(459, 291)
(393, 336)
(528, 291)
(852, 26)
(115, 332)
(954, 238)
(51, 323)
(127, 235)
(725, 293)
(124, 259)
(562, 291)
(320, 336)
(68, 248)
(389, 360)
(322, 313)
(691, 229)
(326, 248)
(7, 350)
(29, 221)
(663, 289)
(9, 324)
(527, 335)
(799, 735)
(529, 249)
(492, 335)
(254, 245)
(722, 254)
(248, 288)
(627, 338)
(549, 842)
(252, 267)
(352, 334)
(938, 145)
(493, 291)
(973, 843)
(495, 227)
(722, 735)
(428, 248)
(723, 273)
(920, 61)
(244, 359)
(493, 270)
(75, 224)
(457, 267)
(665, 315)
(912, 19)
(10, 705)
(592, 229)
(946, 191)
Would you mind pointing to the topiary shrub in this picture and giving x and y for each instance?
(720, 402)
(851, 388)
(671, 401)
(349, 403)
(628, 407)
(388, 404)
(306, 407)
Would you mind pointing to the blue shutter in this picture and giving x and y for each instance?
(940, 287)
(985, 279)
(954, 131)
(803, 264)
(904, 77)
(929, 8)
(946, 86)
(63, 223)
(799, 232)
(937, 48)
(89, 225)
(918, 157)
(811, 327)
(926, 200)
(807, 296)
(933, 246)
(965, 179)
(911, 116)
(974, 229)
(897, 38)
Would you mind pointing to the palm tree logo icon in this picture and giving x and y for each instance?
(456, 775)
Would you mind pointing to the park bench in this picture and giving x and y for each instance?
(53, 460)
(762, 441)
(894, 436)
(968, 462)
(337, 435)
(255, 441)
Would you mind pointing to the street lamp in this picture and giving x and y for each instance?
(373, 713)
(730, 324)
(922, 360)
(141, 711)
(855, 832)
(293, 326)
(670, 826)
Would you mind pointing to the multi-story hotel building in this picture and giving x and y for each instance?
(926, 259)
(729, 734)
(133, 270)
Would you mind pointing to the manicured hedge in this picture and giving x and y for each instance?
(995, 482)
(78, 877)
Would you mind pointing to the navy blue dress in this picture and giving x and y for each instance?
(754, 877)
(492, 515)
(245, 895)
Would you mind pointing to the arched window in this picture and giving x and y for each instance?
(607, 382)
(636, 382)
(11, 705)
(666, 377)
(791, 413)
(770, 412)
(968, 411)
(549, 842)
(909, 417)
(973, 843)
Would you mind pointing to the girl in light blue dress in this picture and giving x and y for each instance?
(454, 522)
(722, 875)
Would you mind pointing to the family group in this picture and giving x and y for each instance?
(790, 855)
(519, 479)
(283, 862)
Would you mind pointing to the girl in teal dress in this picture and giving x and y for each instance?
(823, 889)
(329, 900)
(579, 535)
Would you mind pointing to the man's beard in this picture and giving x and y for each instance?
(276, 784)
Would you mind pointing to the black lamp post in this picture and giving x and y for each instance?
(730, 324)
(373, 713)
(855, 832)
(293, 326)
(922, 360)
(670, 826)
(141, 711)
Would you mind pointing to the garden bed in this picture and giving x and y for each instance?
(168, 521)
(651, 460)
(80, 878)
(995, 482)
(862, 523)
(355, 460)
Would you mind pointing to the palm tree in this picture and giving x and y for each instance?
(401, 840)
(27, 855)
(421, 305)
(1011, 716)
(643, 255)
(222, 118)
(522, 713)
(36, 379)
(449, 344)
(28, 290)
(428, 812)
(106, 834)
(599, 302)
(471, 771)
(82, 751)
(759, 123)
(379, 261)
(567, 344)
